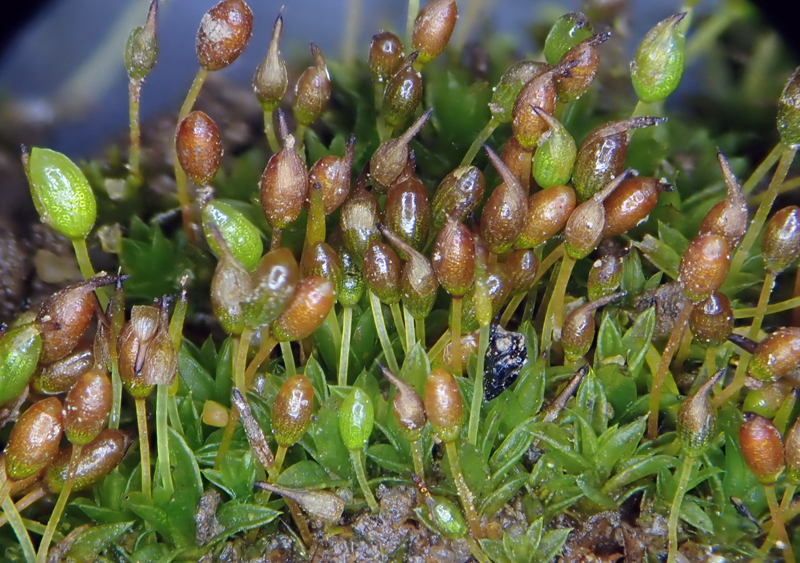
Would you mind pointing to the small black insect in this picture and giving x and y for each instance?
(504, 359)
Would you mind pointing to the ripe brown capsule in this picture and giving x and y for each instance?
(460, 190)
(711, 320)
(61, 375)
(273, 283)
(199, 147)
(520, 269)
(697, 419)
(86, 407)
(631, 203)
(392, 156)
(292, 410)
(310, 304)
(385, 55)
(133, 348)
(270, 80)
(382, 268)
(778, 355)
(403, 93)
(604, 276)
(443, 405)
(34, 440)
(432, 29)
(518, 160)
(704, 266)
(789, 111)
(284, 186)
(728, 218)
(548, 212)
(504, 214)
(572, 86)
(224, 33)
(780, 245)
(509, 87)
(97, 459)
(791, 454)
(333, 176)
(320, 259)
(313, 90)
(418, 283)
(453, 258)
(407, 211)
(407, 408)
(577, 334)
(358, 221)
(762, 447)
(540, 91)
(601, 156)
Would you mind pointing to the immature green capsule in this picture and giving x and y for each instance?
(61, 375)
(780, 245)
(432, 29)
(403, 93)
(548, 213)
(306, 310)
(86, 407)
(762, 447)
(199, 147)
(19, 353)
(382, 268)
(577, 334)
(704, 266)
(292, 410)
(284, 186)
(385, 55)
(61, 193)
(462, 190)
(356, 419)
(657, 66)
(141, 52)
(728, 218)
(313, 90)
(697, 419)
(778, 355)
(224, 33)
(97, 459)
(605, 276)
(453, 258)
(34, 439)
(568, 31)
(789, 111)
(352, 280)
(271, 81)
(447, 517)
(711, 320)
(572, 86)
(504, 214)
(241, 235)
(555, 157)
(767, 399)
(511, 83)
(443, 405)
(391, 158)
(333, 176)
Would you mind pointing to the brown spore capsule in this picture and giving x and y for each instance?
(711, 320)
(34, 439)
(453, 258)
(292, 410)
(310, 304)
(61, 375)
(461, 190)
(631, 203)
(780, 245)
(520, 269)
(504, 214)
(418, 283)
(407, 211)
(382, 268)
(403, 93)
(778, 355)
(577, 333)
(762, 447)
(86, 407)
(271, 81)
(605, 275)
(97, 459)
(385, 55)
(273, 283)
(199, 147)
(704, 266)
(132, 348)
(284, 186)
(443, 405)
(313, 90)
(432, 29)
(518, 160)
(540, 91)
(224, 33)
(548, 212)
(358, 221)
(407, 408)
(728, 218)
(791, 454)
(391, 157)
(576, 83)
(332, 173)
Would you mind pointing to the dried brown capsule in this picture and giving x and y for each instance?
(313, 90)
(270, 80)
(791, 454)
(453, 258)
(704, 266)
(728, 218)
(407, 408)
(322, 505)
(86, 407)
(382, 268)
(61, 375)
(778, 355)
(292, 410)
(504, 213)
(697, 419)
(711, 320)
(224, 33)
(333, 176)
(407, 211)
(284, 186)
(460, 190)
(780, 245)
(358, 221)
(403, 93)
(601, 156)
(520, 269)
(34, 439)
(97, 459)
(572, 86)
(443, 405)
(577, 334)
(548, 212)
(631, 203)
(418, 283)
(68, 314)
(132, 348)
(199, 147)
(762, 447)
(392, 156)
(385, 55)
(432, 29)
(310, 304)
(604, 276)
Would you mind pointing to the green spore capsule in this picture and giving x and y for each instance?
(789, 111)
(569, 30)
(61, 193)
(657, 66)
(141, 52)
(555, 157)
(356, 419)
(19, 354)
(241, 235)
